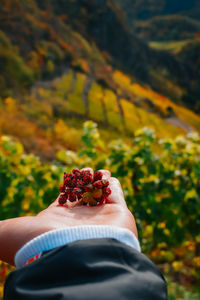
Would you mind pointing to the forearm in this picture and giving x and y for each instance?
(14, 233)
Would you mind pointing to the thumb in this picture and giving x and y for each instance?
(117, 195)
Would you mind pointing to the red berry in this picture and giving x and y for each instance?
(62, 199)
(67, 181)
(62, 188)
(87, 179)
(79, 196)
(88, 188)
(86, 173)
(77, 191)
(98, 184)
(82, 174)
(65, 175)
(98, 176)
(106, 191)
(72, 198)
(76, 170)
(101, 200)
(68, 191)
(105, 182)
(83, 186)
(76, 173)
(73, 183)
(79, 183)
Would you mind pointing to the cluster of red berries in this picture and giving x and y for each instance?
(84, 187)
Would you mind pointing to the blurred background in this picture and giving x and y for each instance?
(109, 84)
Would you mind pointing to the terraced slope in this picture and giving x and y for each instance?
(78, 95)
(51, 116)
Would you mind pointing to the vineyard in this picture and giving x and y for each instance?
(50, 116)
(160, 179)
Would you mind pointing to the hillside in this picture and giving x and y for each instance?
(59, 70)
(47, 39)
(176, 34)
(146, 9)
(191, 52)
(168, 28)
(50, 117)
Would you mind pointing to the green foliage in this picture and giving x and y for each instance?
(26, 186)
(176, 291)
(14, 74)
(90, 138)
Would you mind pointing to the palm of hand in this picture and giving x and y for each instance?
(114, 213)
(108, 214)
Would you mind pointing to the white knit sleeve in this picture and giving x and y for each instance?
(59, 237)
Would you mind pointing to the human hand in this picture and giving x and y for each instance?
(14, 233)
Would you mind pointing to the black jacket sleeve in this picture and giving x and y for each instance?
(95, 269)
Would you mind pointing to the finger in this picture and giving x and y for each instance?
(116, 195)
(106, 174)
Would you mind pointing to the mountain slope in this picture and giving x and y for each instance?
(49, 35)
(168, 28)
(77, 60)
(146, 9)
(106, 27)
